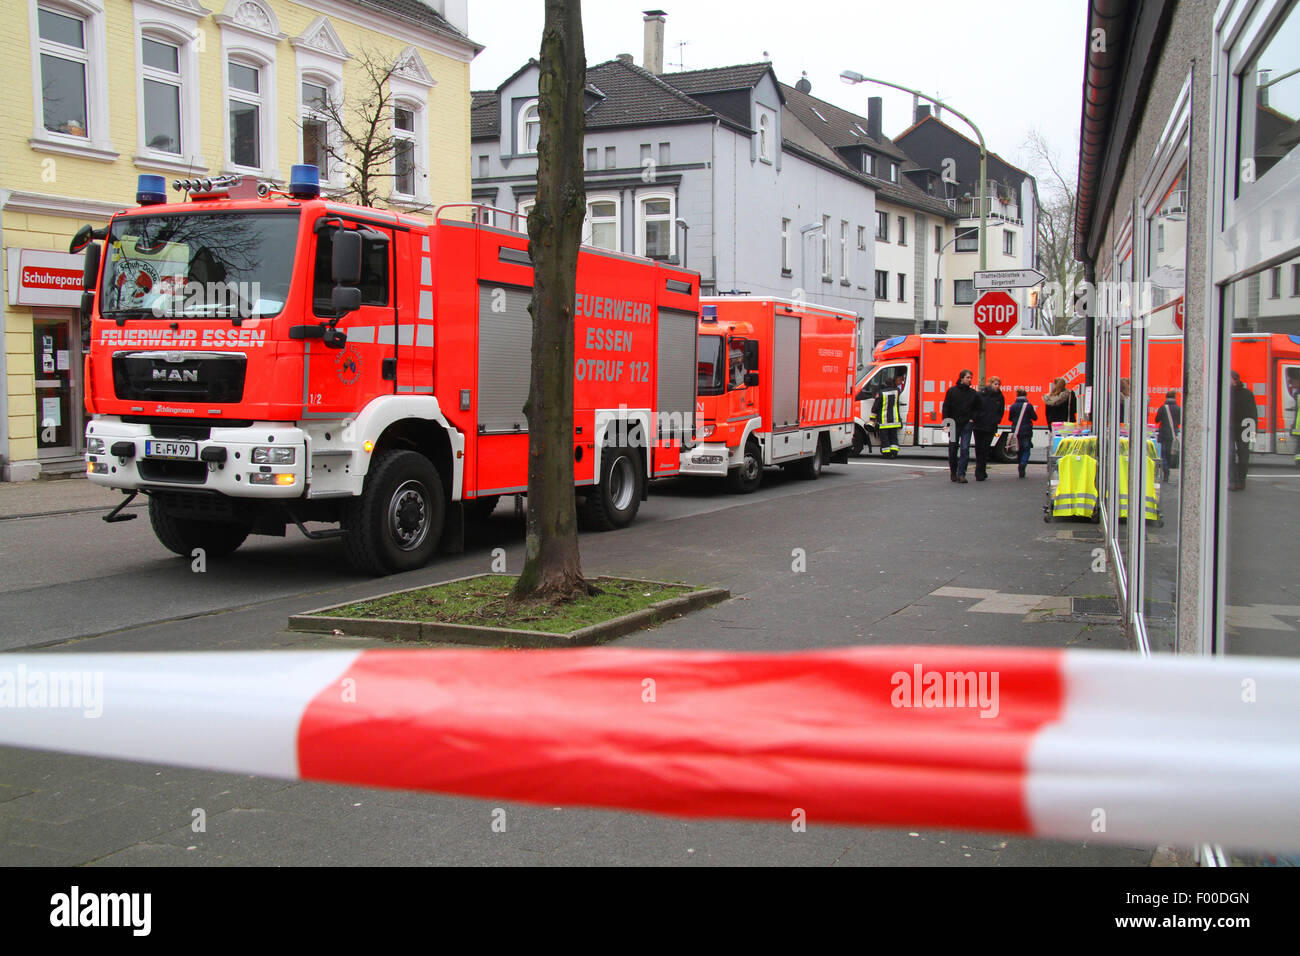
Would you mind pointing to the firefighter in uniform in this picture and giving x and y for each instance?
(886, 416)
(1293, 386)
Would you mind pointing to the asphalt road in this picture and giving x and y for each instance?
(877, 539)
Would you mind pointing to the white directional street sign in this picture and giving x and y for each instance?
(1008, 279)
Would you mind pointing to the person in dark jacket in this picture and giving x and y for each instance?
(1061, 404)
(986, 424)
(1169, 419)
(1021, 416)
(961, 404)
(1242, 413)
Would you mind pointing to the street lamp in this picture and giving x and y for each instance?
(938, 279)
(804, 232)
(683, 225)
(850, 77)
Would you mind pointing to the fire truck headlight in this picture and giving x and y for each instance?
(272, 455)
(97, 468)
(706, 431)
(96, 446)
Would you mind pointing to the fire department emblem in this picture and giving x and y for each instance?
(348, 365)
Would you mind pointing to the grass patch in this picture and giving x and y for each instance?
(484, 602)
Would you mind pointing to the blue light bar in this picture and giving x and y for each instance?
(150, 190)
(890, 343)
(304, 182)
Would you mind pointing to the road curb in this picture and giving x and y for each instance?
(316, 621)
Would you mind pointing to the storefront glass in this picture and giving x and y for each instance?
(56, 359)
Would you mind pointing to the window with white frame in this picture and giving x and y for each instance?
(785, 246)
(893, 172)
(968, 239)
(530, 128)
(963, 291)
(247, 108)
(844, 250)
(70, 70)
(655, 214)
(826, 248)
(1008, 242)
(601, 227)
(524, 208)
(765, 137)
(160, 79)
(316, 133)
(862, 238)
(882, 226)
(404, 140)
(902, 230)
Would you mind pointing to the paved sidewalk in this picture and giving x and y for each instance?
(56, 496)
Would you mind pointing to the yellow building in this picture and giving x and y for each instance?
(110, 89)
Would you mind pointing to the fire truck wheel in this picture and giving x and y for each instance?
(182, 535)
(746, 479)
(1000, 451)
(614, 501)
(397, 521)
(859, 441)
(810, 468)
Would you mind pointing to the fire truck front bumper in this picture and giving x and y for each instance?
(711, 459)
(265, 460)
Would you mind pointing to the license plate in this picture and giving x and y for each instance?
(171, 449)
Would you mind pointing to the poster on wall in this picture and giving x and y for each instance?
(51, 413)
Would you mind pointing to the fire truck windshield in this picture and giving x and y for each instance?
(710, 367)
(199, 265)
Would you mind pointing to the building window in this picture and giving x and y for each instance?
(882, 285)
(65, 64)
(482, 166)
(1275, 282)
(1295, 280)
(862, 238)
(938, 238)
(610, 160)
(663, 154)
(902, 287)
(645, 153)
(593, 157)
(160, 66)
(521, 221)
(601, 226)
(655, 226)
(893, 172)
(826, 248)
(868, 163)
(765, 137)
(403, 151)
(530, 127)
(844, 251)
(246, 109)
(1008, 242)
(882, 226)
(1160, 237)
(968, 239)
(963, 291)
(316, 127)
(902, 230)
(785, 245)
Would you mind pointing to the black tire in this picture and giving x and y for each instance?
(614, 500)
(182, 535)
(860, 441)
(1000, 454)
(480, 509)
(810, 468)
(396, 523)
(746, 479)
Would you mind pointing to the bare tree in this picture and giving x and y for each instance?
(552, 568)
(358, 138)
(1055, 227)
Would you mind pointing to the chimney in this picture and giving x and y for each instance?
(922, 112)
(654, 41)
(625, 58)
(874, 105)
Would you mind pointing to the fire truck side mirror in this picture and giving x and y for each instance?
(347, 257)
(345, 299)
(751, 357)
(751, 378)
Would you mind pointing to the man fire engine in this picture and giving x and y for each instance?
(287, 359)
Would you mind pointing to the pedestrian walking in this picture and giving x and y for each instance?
(1022, 416)
(1060, 404)
(961, 403)
(1241, 423)
(992, 404)
(1125, 388)
(1169, 419)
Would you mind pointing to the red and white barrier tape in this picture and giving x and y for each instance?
(1075, 745)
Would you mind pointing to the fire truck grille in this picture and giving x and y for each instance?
(185, 472)
(209, 379)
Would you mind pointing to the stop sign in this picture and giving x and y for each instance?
(996, 313)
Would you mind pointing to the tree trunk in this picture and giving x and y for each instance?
(552, 567)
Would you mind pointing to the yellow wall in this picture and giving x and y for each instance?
(21, 167)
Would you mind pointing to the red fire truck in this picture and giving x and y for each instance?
(931, 364)
(261, 362)
(774, 387)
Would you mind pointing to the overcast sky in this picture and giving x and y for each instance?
(1010, 66)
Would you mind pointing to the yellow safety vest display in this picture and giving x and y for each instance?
(1076, 485)
(1152, 501)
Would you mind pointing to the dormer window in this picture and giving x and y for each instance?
(893, 172)
(766, 134)
(530, 128)
(868, 163)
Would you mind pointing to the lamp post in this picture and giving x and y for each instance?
(804, 232)
(938, 278)
(849, 76)
(685, 227)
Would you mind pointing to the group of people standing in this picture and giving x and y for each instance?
(977, 414)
